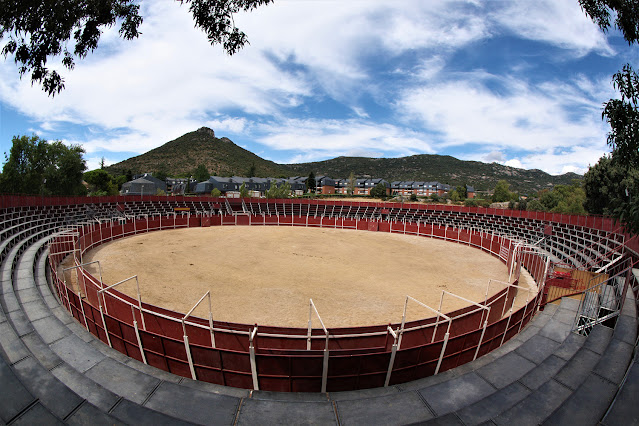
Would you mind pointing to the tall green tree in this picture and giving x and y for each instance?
(37, 31)
(502, 193)
(100, 182)
(244, 193)
(612, 184)
(201, 173)
(379, 191)
(35, 166)
(283, 190)
(252, 171)
(310, 183)
(351, 184)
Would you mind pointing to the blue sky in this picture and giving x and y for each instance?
(520, 83)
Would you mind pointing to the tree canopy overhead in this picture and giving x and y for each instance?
(37, 31)
(35, 166)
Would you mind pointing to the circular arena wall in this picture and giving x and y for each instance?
(295, 359)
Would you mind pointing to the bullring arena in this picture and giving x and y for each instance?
(199, 309)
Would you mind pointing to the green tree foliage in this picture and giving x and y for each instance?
(201, 173)
(603, 186)
(623, 117)
(434, 197)
(244, 193)
(502, 193)
(35, 166)
(216, 192)
(561, 199)
(252, 171)
(535, 205)
(160, 174)
(351, 184)
(35, 32)
(461, 191)
(379, 191)
(100, 183)
(310, 183)
(283, 190)
(612, 189)
(121, 180)
(612, 185)
(626, 15)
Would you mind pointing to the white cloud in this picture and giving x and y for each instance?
(321, 139)
(561, 23)
(559, 161)
(466, 111)
(493, 157)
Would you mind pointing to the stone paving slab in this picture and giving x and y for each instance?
(144, 368)
(626, 329)
(255, 411)
(10, 302)
(41, 351)
(614, 362)
(543, 372)
(195, 406)
(87, 414)
(50, 329)
(505, 370)
(14, 402)
(290, 396)
(537, 348)
(570, 346)
(587, 405)
(134, 414)
(450, 419)
(577, 369)
(556, 330)
(98, 396)
(10, 344)
(36, 310)
(364, 393)
(401, 408)
(213, 388)
(28, 295)
(20, 323)
(625, 409)
(53, 394)
(536, 407)
(493, 405)
(123, 380)
(77, 353)
(456, 393)
(37, 415)
(598, 339)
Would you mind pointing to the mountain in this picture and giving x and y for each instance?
(222, 157)
(441, 168)
(180, 157)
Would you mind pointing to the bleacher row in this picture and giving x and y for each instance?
(52, 371)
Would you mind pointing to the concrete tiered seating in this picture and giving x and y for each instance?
(53, 371)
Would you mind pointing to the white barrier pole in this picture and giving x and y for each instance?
(256, 385)
(137, 334)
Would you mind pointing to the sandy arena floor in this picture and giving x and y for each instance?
(267, 274)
